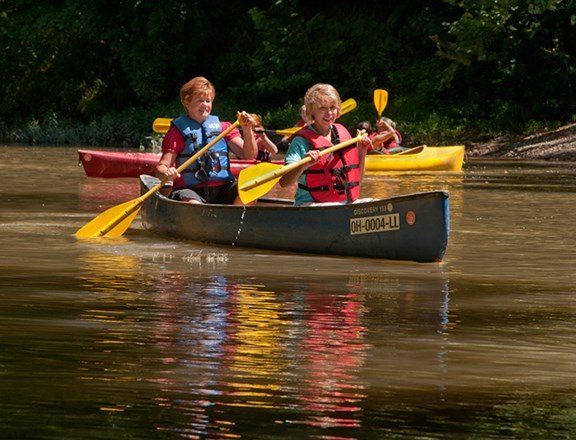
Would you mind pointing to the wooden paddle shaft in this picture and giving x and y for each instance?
(161, 125)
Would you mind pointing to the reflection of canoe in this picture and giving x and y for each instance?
(427, 159)
(96, 195)
(412, 227)
(98, 163)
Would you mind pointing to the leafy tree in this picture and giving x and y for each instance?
(514, 58)
(505, 61)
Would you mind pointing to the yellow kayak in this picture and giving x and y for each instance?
(423, 158)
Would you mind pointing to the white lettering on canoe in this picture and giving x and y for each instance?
(373, 209)
(366, 210)
(377, 223)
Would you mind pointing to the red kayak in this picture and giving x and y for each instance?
(109, 164)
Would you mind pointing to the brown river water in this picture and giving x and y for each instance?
(145, 337)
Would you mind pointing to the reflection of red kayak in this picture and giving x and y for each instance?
(99, 163)
(97, 195)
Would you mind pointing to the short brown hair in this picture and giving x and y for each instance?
(257, 120)
(196, 86)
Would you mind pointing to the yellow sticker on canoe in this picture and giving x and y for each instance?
(377, 223)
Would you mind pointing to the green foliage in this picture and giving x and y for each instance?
(130, 128)
(452, 67)
(516, 51)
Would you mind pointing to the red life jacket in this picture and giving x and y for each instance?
(336, 176)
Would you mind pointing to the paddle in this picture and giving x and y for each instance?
(347, 106)
(380, 100)
(257, 180)
(114, 221)
(285, 132)
(161, 125)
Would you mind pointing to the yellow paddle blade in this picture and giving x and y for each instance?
(249, 186)
(161, 125)
(287, 131)
(380, 100)
(348, 106)
(113, 222)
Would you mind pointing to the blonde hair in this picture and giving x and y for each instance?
(302, 113)
(318, 95)
(195, 87)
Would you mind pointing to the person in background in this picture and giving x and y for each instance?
(333, 178)
(208, 179)
(367, 127)
(387, 138)
(266, 148)
(300, 123)
(303, 117)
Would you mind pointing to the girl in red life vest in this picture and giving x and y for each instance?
(332, 178)
(387, 140)
(367, 127)
(300, 123)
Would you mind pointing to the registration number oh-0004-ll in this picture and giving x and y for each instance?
(377, 223)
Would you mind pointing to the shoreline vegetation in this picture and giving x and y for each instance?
(557, 144)
(497, 77)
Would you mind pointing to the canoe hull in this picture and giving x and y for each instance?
(116, 164)
(112, 164)
(449, 158)
(413, 227)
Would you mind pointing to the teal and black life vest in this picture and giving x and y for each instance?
(336, 176)
(214, 165)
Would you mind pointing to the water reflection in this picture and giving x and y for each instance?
(250, 354)
(97, 194)
(334, 349)
(118, 339)
(226, 355)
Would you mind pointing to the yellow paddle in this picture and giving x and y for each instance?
(161, 125)
(257, 180)
(114, 221)
(380, 100)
